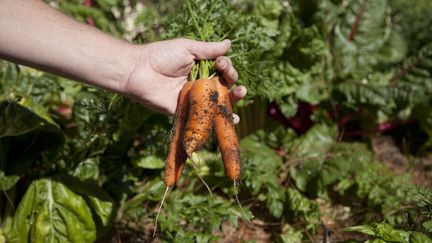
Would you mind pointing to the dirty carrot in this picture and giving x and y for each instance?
(176, 158)
(203, 99)
(225, 132)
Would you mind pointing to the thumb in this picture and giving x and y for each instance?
(207, 50)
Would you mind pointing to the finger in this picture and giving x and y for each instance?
(237, 94)
(236, 119)
(222, 63)
(230, 75)
(207, 50)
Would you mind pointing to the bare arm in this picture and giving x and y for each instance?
(34, 34)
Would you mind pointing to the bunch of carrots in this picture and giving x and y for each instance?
(203, 107)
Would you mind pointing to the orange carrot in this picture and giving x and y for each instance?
(203, 100)
(176, 158)
(225, 132)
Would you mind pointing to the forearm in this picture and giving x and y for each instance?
(34, 34)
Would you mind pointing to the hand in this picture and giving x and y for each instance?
(162, 68)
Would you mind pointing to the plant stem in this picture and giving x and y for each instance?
(194, 20)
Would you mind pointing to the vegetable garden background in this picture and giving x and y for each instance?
(335, 131)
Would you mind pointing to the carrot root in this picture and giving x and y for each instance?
(176, 158)
(225, 132)
(199, 176)
(238, 201)
(159, 210)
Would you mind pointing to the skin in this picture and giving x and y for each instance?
(34, 34)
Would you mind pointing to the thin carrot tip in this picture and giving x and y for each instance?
(159, 210)
(238, 201)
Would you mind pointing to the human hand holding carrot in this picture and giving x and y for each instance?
(162, 68)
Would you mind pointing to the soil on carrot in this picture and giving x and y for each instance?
(214, 95)
(224, 111)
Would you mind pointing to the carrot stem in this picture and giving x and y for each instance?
(194, 19)
(202, 70)
(194, 72)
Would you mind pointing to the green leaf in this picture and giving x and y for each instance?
(365, 229)
(316, 142)
(24, 136)
(428, 225)
(290, 235)
(382, 232)
(149, 162)
(263, 164)
(7, 182)
(303, 206)
(61, 209)
(310, 150)
(215, 20)
(101, 204)
(16, 120)
(364, 39)
(418, 237)
(341, 160)
(51, 212)
(87, 170)
(387, 233)
(8, 76)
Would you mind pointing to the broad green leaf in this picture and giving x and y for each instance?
(310, 150)
(341, 160)
(316, 142)
(61, 209)
(97, 199)
(394, 50)
(16, 120)
(428, 225)
(51, 212)
(24, 136)
(365, 39)
(260, 177)
(418, 237)
(365, 229)
(382, 232)
(387, 233)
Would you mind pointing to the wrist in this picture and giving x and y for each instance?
(135, 73)
(118, 69)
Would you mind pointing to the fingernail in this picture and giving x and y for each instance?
(227, 41)
(239, 89)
